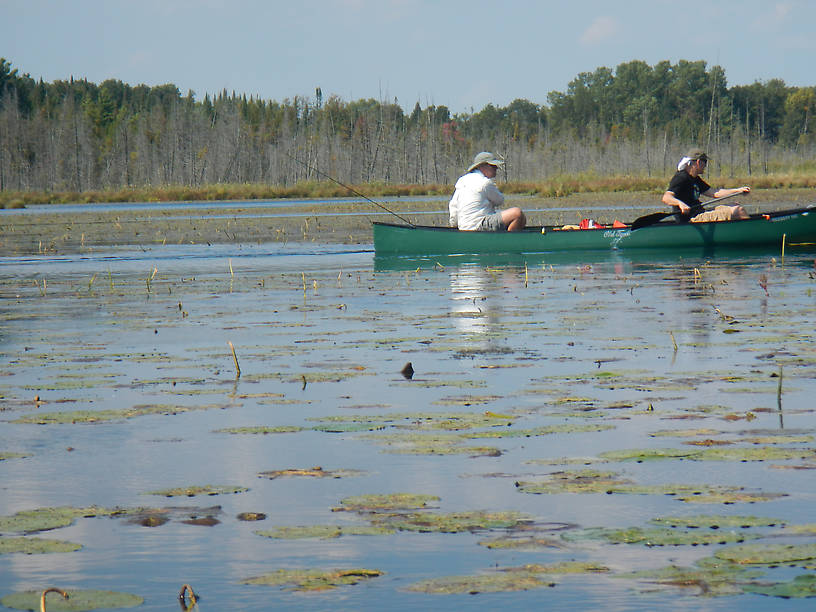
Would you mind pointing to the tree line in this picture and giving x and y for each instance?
(636, 119)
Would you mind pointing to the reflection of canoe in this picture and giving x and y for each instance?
(798, 227)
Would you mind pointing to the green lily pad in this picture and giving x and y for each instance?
(768, 554)
(647, 454)
(388, 502)
(716, 581)
(198, 490)
(717, 522)
(261, 429)
(658, 536)
(803, 585)
(78, 601)
(44, 519)
(574, 481)
(323, 532)
(35, 546)
(100, 416)
(564, 567)
(8, 455)
(315, 472)
(314, 580)
(496, 582)
(453, 522)
(762, 453)
(521, 543)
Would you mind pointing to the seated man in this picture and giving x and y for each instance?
(686, 187)
(476, 199)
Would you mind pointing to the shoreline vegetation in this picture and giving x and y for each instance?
(556, 187)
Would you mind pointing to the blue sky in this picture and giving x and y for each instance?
(460, 54)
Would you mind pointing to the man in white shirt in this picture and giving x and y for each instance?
(476, 200)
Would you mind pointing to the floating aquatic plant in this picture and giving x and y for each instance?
(78, 601)
(35, 546)
(710, 521)
(261, 429)
(452, 522)
(44, 519)
(198, 490)
(323, 532)
(803, 585)
(768, 554)
(314, 580)
(315, 472)
(388, 502)
(704, 580)
(8, 455)
(658, 536)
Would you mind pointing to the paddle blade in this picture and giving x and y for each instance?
(649, 220)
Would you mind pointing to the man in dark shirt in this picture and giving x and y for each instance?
(687, 186)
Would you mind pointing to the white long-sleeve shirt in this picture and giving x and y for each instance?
(475, 197)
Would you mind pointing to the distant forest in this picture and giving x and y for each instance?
(634, 120)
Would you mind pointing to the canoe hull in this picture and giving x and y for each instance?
(798, 228)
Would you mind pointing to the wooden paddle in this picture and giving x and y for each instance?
(653, 218)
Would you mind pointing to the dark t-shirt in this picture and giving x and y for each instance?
(687, 188)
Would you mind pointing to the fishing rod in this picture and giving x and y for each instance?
(352, 190)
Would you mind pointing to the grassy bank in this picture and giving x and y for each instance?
(554, 187)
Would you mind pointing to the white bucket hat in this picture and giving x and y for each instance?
(485, 157)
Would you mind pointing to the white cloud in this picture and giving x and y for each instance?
(600, 30)
(775, 16)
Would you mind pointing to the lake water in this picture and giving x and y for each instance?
(582, 356)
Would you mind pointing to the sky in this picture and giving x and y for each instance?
(460, 54)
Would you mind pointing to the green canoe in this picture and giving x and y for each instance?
(797, 228)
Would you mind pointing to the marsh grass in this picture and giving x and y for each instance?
(557, 186)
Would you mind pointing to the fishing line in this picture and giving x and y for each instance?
(354, 191)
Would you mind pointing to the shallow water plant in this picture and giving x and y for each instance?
(803, 585)
(78, 601)
(323, 532)
(313, 579)
(387, 502)
(35, 546)
(195, 490)
(768, 554)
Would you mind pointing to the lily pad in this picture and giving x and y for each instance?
(198, 490)
(261, 429)
(323, 532)
(521, 543)
(768, 554)
(314, 580)
(77, 601)
(452, 522)
(389, 502)
(803, 585)
(44, 519)
(8, 455)
(496, 582)
(658, 536)
(717, 522)
(647, 454)
(315, 472)
(717, 581)
(35, 546)
(100, 416)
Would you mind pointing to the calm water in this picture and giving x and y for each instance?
(324, 332)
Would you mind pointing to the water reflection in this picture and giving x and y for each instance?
(476, 303)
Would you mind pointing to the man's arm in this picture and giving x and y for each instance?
(669, 199)
(721, 193)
